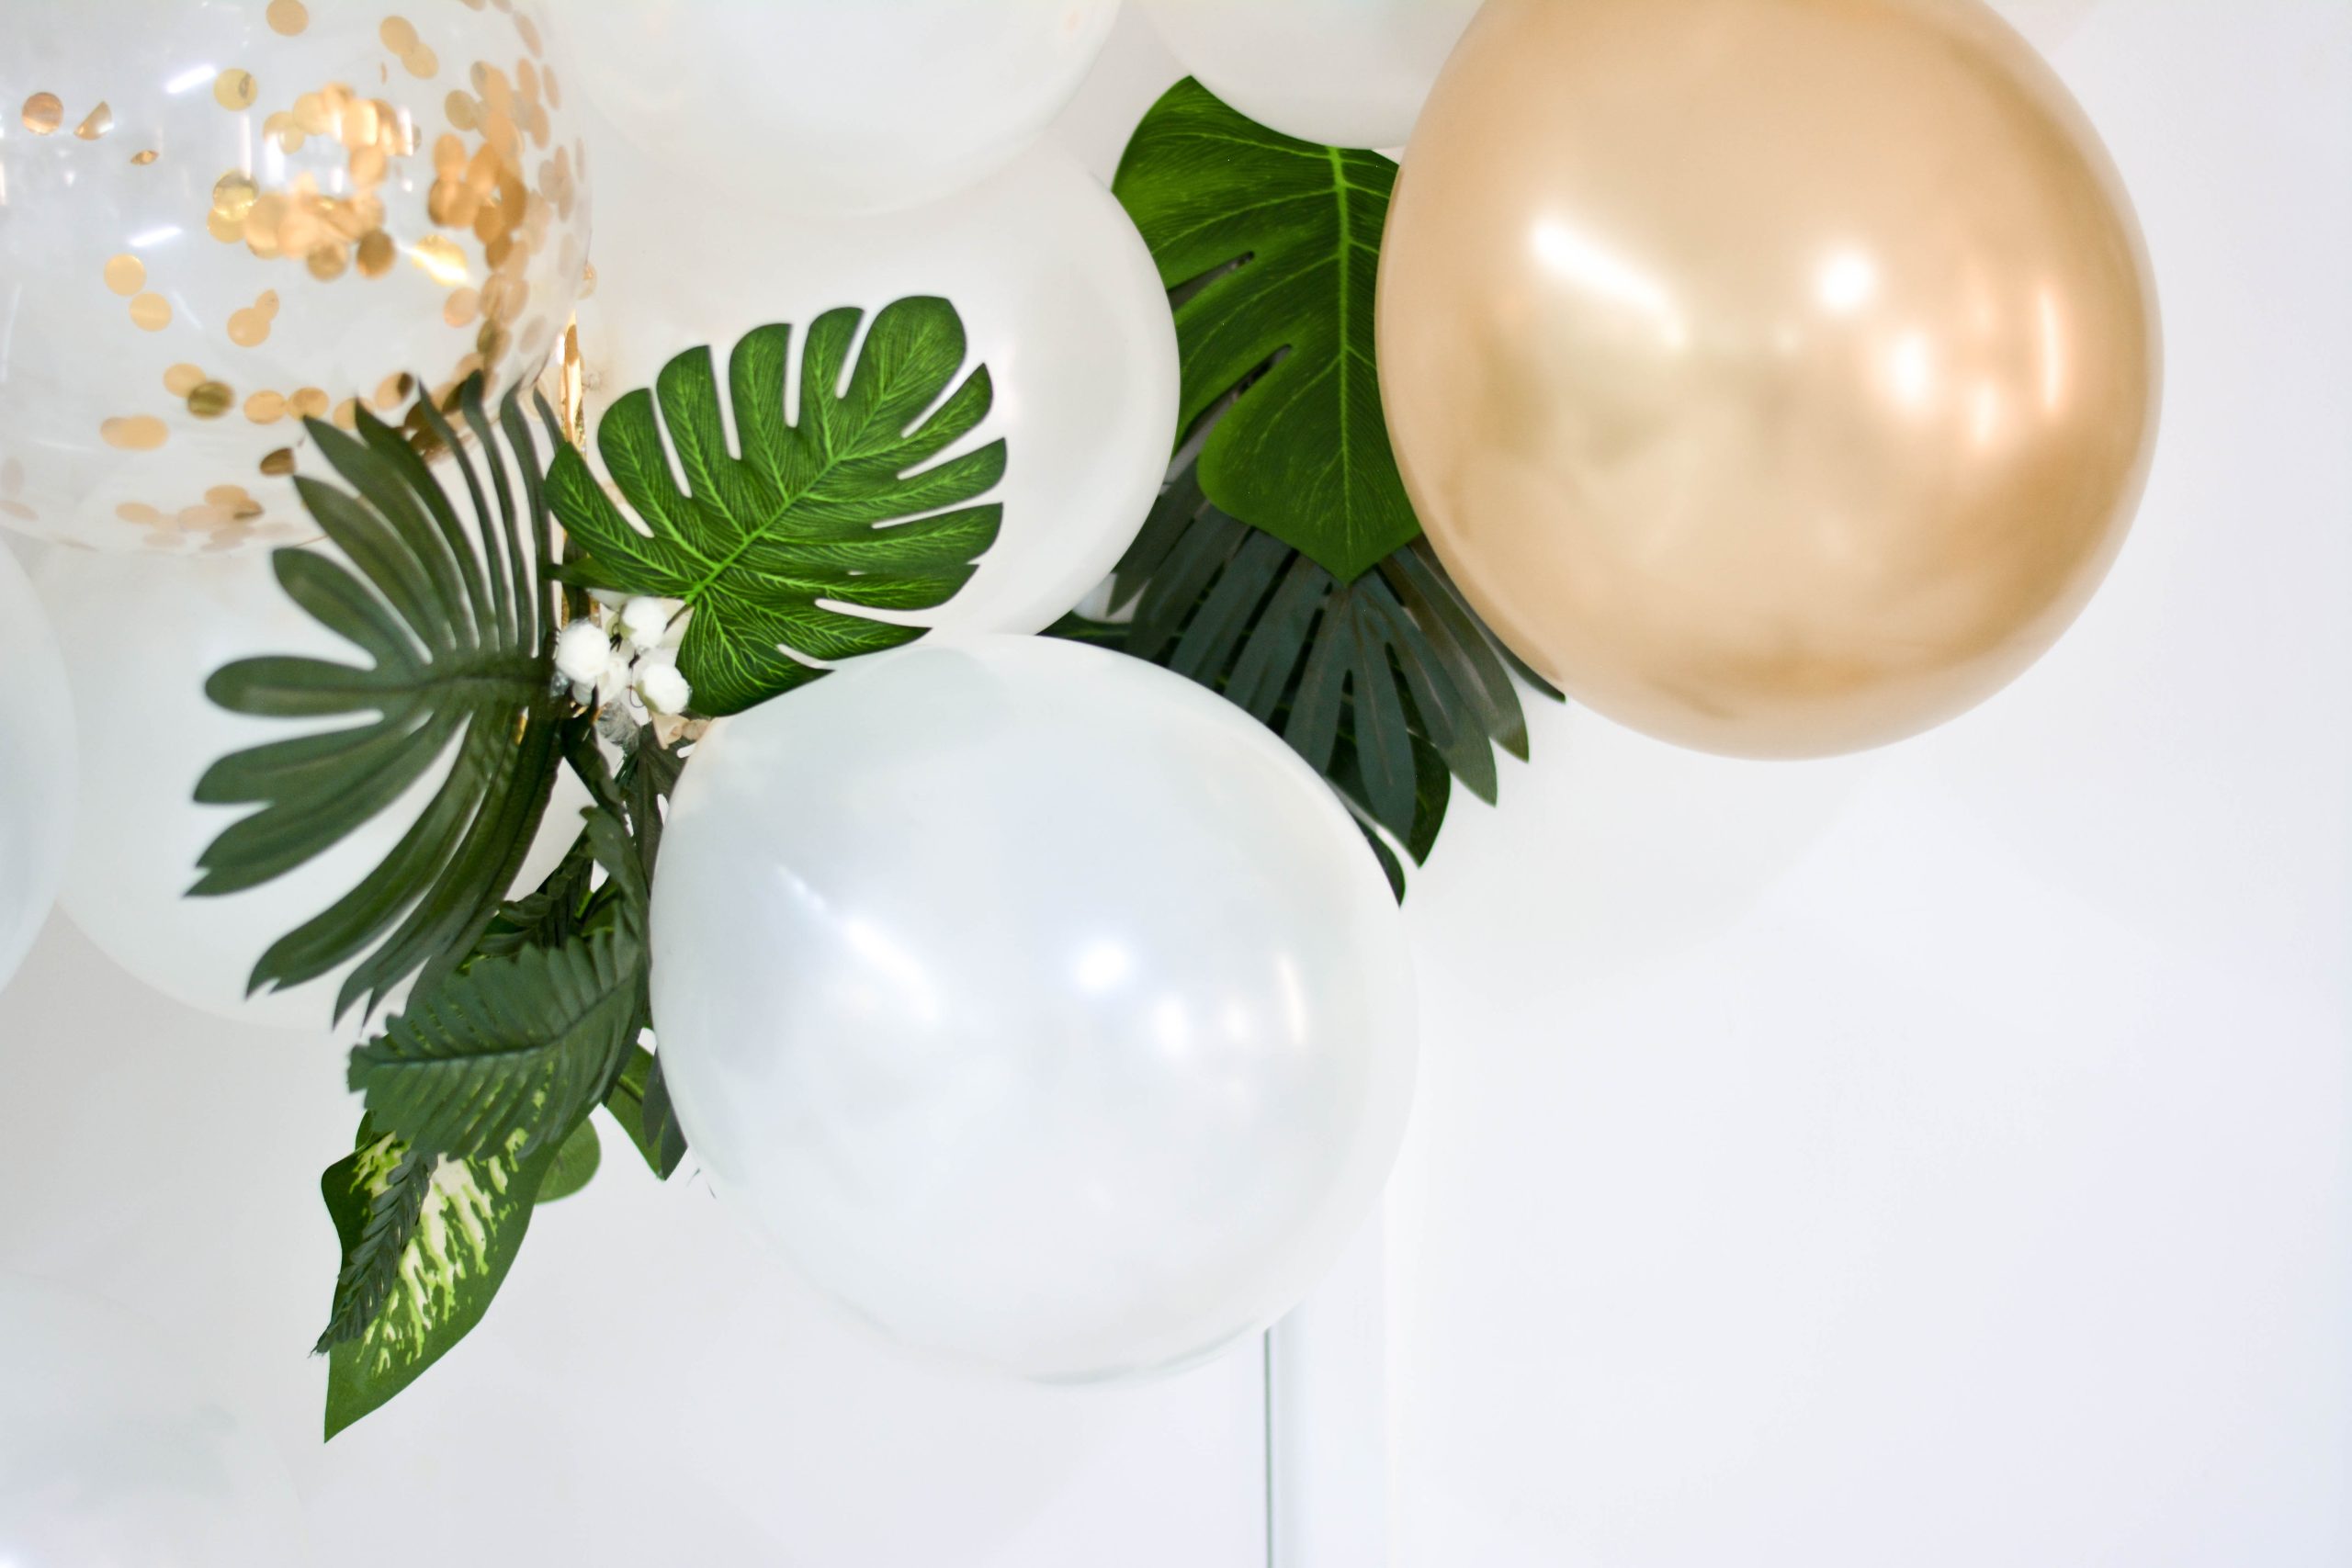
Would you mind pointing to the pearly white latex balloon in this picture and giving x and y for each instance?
(141, 637)
(1042, 1007)
(37, 767)
(221, 216)
(1059, 299)
(113, 1454)
(834, 106)
(1344, 73)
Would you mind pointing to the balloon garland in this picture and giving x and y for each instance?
(1044, 1007)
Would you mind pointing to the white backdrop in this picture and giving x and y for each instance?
(1938, 1157)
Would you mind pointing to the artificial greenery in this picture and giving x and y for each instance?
(458, 632)
(1281, 567)
(1388, 685)
(426, 1243)
(1273, 245)
(838, 508)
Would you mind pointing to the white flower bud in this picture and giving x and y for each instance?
(665, 690)
(645, 620)
(582, 651)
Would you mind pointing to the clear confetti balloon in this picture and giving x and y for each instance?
(219, 219)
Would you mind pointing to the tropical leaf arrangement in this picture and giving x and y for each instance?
(1282, 567)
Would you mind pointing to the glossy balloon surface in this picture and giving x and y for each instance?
(37, 767)
(1778, 376)
(822, 106)
(1058, 297)
(112, 1454)
(1043, 1008)
(1344, 72)
(220, 217)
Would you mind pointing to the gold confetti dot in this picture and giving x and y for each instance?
(346, 413)
(530, 33)
(248, 328)
(227, 230)
(43, 113)
(281, 126)
(100, 121)
(311, 402)
(211, 400)
(126, 273)
(441, 259)
(266, 303)
(182, 379)
(397, 33)
(279, 464)
(547, 84)
(265, 407)
(233, 195)
(376, 254)
(234, 90)
(328, 261)
(588, 280)
(138, 511)
(393, 390)
(138, 433)
(287, 17)
(143, 159)
(422, 62)
(231, 496)
(151, 312)
(460, 308)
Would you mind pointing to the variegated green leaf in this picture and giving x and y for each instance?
(426, 1243)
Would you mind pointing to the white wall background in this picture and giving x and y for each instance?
(1938, 1157)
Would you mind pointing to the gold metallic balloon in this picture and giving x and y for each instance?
(1778, 376)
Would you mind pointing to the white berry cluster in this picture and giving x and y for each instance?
(622, 662)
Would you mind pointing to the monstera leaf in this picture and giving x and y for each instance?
(426, 1243)
(837, 509)
(1273, 246)
(1389, 685)
(456, 633)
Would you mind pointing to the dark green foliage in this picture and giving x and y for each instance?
(458, 632)
(1389, 685)
(1273, 246)
(837, 509)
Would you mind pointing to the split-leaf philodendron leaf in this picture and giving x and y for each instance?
(1277, 242)
(457, 634)
(851, 505)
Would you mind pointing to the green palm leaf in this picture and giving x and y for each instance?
(1389, 686)
(1274, 246)
(457, 635)
(837, 509)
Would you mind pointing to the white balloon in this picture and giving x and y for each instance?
(1059, 299)
(37, 767)
(112, 1453)
(1342, 73)
(834, 106)
(141, 637)
(1042, 1007)
(221, 215)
